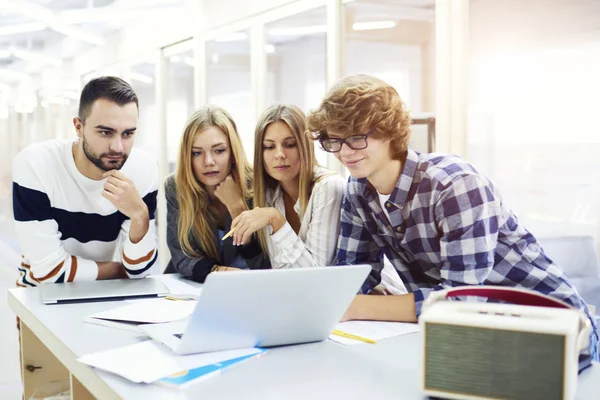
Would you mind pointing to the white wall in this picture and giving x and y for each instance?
(533, 107)
(429, 72)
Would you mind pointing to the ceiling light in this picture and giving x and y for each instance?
(23, 110)
(5, 54)
(77, 33)
(108, 14)
(71, 94)
(141, 77)
(48, 17)
(12, 74)
(189, 61)
(27, 9)
(22, 28)
(37, 57)
(373, 25)
(4, 86)
(175, 59)
(58, 100)
(298, 30)
(178, 48)
(270, 48)
(232, 37)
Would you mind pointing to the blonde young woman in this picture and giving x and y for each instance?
(210, 187)
(297, 214)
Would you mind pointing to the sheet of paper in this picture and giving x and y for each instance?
(376, 330)
(154, 311)
(144, 362)
(179, 285)
(128, 326)
(149, 361)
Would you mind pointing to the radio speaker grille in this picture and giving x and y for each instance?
(493, 363)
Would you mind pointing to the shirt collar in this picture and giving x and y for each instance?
(399, 195)
(276, 196)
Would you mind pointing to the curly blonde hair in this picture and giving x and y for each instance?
(359, 104)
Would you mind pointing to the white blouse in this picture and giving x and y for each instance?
(316, 241)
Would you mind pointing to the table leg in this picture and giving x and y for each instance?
(39, 366)
(78, 391)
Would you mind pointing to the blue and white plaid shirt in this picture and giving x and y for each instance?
(447, 227)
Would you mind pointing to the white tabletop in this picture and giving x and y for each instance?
(322, 370)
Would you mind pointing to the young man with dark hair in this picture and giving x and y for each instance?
(84, 209)
(437, 219)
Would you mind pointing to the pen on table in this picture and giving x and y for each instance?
(338, 332)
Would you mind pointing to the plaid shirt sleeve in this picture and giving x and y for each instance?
(467, 214)
(356, 245)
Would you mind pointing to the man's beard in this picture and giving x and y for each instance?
(97, 160)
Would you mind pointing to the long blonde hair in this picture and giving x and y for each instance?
(295, 120)
(195, 220)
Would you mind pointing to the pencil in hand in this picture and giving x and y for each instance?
(229, 234)
(233, 229)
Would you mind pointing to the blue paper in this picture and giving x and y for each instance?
(185, 378)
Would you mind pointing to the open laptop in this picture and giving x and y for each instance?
(263, 308)
(112, 289)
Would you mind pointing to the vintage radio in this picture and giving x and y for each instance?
(525, 350)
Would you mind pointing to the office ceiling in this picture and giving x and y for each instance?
(35, 34)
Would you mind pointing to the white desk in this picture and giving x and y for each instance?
(326, 370)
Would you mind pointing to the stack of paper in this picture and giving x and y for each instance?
(148, 361)
(155, 311)
(374, 330)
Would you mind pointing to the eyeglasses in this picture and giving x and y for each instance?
(355, 142)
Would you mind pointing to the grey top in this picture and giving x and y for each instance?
(197, 268)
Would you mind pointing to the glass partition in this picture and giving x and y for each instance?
(229, 83)
(142, 77)
(297, 52)
(395, 41)
(180, 95)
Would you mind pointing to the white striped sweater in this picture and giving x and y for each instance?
(65, 226)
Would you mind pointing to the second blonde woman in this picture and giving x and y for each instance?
(211, 186)
(297, 214)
